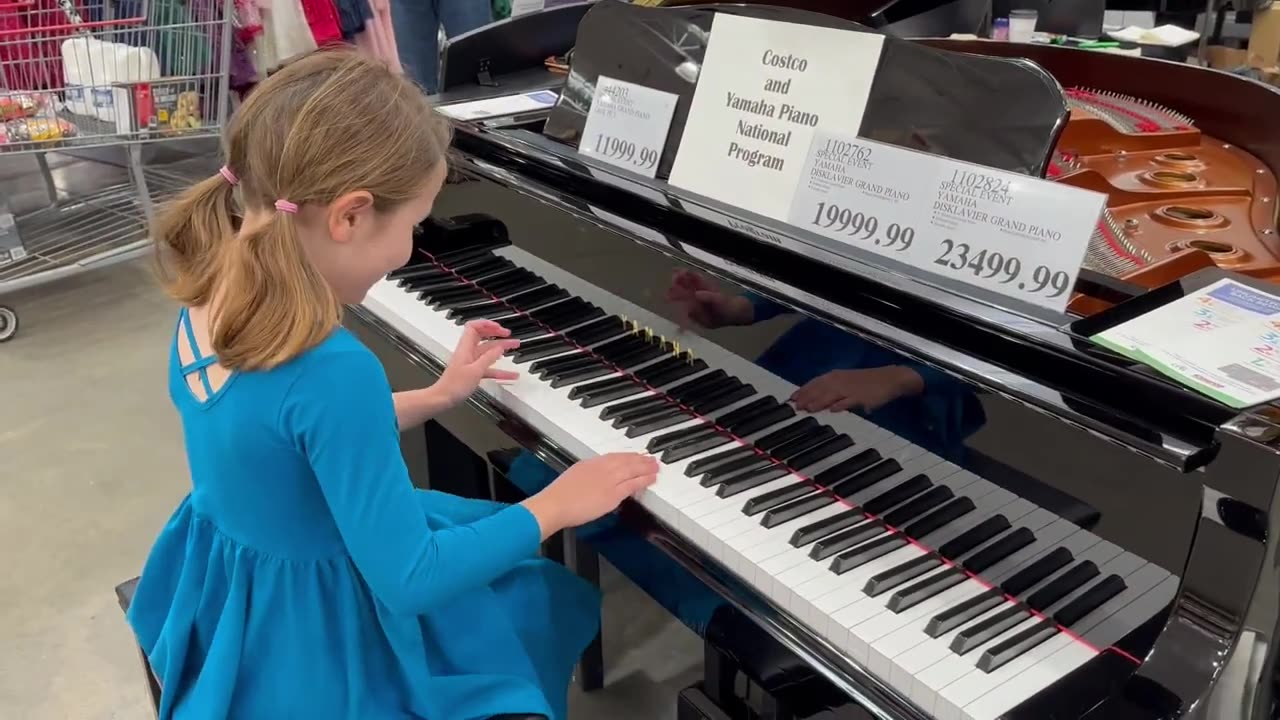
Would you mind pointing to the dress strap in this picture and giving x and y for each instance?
(200, 364)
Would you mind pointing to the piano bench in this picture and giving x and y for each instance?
(563, 548)
(124, 594)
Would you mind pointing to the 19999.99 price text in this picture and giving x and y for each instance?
(991, 264)
(626, 151)
(862, 226)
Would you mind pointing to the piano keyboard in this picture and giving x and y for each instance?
(883, 562)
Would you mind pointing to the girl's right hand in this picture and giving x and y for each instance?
(590, 490)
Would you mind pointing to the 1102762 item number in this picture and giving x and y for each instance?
(1008, 268)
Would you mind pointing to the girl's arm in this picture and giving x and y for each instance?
(340, 414)
(764, 308)
(415, 407)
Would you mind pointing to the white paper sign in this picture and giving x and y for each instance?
(504, 105)
(1223, 341)
(1014, 235)
(628, 125)
(763, 90)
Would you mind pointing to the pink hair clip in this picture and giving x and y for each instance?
(285, 206)
(229, 176)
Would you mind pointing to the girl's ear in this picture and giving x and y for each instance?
(346, 211)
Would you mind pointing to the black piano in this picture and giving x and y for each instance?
(1095, 546)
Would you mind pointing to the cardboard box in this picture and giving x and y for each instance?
(1264, 38)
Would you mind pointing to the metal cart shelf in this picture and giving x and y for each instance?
(80, 74)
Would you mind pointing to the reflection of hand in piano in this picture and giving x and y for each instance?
(866, 390)
(700, 301)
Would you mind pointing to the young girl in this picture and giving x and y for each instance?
(304, 577)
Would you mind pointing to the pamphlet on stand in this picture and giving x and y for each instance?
(1222, 341)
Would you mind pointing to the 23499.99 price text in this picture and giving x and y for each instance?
(862, 226)
(626, 151)
(1008, 268)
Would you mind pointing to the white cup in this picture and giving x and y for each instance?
(1022, 25)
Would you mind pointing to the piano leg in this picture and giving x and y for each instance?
(583, 560)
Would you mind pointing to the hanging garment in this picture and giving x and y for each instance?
(322, 18)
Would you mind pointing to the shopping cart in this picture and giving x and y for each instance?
(79, 77)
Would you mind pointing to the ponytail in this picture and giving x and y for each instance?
(187, 236)
(273, 304)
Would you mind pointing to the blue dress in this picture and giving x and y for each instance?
(304, 577)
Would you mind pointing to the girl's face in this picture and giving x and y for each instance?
(367, 244)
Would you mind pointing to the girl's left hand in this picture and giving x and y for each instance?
(483, 343)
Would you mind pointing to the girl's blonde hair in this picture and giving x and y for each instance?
(328, 124)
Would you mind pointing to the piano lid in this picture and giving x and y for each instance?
(1000, 112)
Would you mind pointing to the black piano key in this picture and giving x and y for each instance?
(626, 382)
(638, 357)
(1062, 586)
(826, 526)
(961, 613)
(952, 511)
(757, 460)
(752, 479)
(409, 268)
(875, 506)
(1006, 546)
(1033, 574)
(511, 285)
(560, 361)
(763, 421)
(895, 494)
(764, 444)
(621, 392)
(1089, 600)
(666, 420)
(837, 492)
(681, 436)
(684, 367)
(695, 447)
(680, 400)
(450, 300)
(531, 300)
(573, 377)
(918, 505)
(572, 310)
(751, 409)
(867, 552)
(883, 582)
(774, 498)
(921, 590)
(1002, 652)
(409, 273)
(845, 469)
(540, 348)
(523, 302)
(973, 537)
(597, 331)
(860, 530)
(447, 291)
(1018, 583)
(649, 403)
(988, 629)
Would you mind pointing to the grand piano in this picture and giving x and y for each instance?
(1098, 549)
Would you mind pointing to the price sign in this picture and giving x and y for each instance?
(628, 125)
(1014, 235)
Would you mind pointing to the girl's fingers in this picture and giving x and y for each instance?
(488, 345)
(495, 374)
(493, 353)
(488, 329)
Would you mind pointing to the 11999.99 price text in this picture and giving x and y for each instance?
(862, 226)
(1008, 268)
(626, 151)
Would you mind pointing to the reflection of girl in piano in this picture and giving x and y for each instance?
(304, 576)
(833, 370)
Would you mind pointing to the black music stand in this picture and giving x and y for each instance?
(521, 43)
